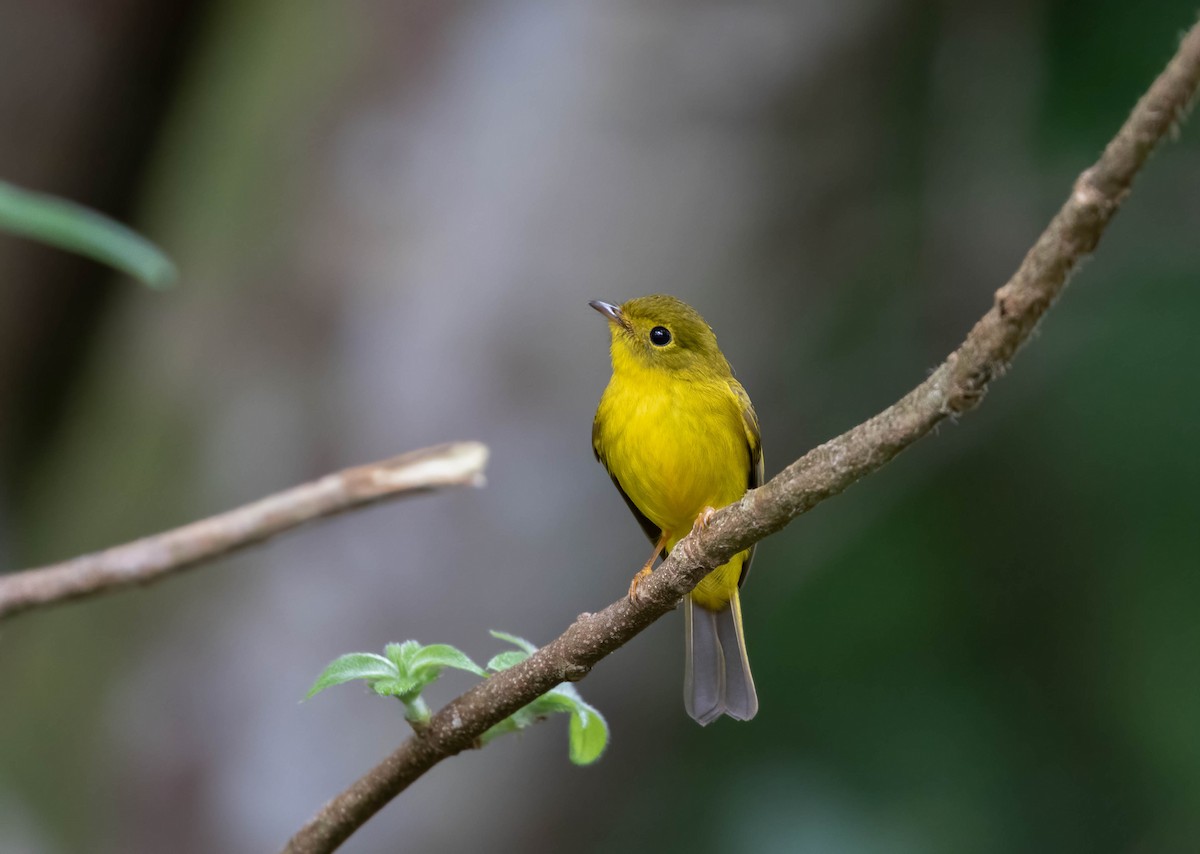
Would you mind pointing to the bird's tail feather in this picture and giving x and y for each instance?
(717, 677)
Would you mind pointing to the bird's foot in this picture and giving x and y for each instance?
(659, 545)
(637, 579)
(703, 519)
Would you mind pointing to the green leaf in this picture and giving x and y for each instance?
(587, 729)
(519, 643)
(401, 654)
(406, 668)
(438, 655)
(588, 732)
(556, 701)
(404, 687)
(505, 660)
(510, 724)
(72, 227)
(354, 665)
(588, 735)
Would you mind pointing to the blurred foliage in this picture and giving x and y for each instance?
(72, 227)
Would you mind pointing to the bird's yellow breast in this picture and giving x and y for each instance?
(675, 444)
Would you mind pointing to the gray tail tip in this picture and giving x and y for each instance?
(706, 717)
(717, 678)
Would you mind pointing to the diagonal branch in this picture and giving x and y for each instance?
(152, 558)
(956, 387)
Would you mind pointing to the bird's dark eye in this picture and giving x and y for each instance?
(660, 336)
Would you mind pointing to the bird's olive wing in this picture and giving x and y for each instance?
(653, 532)
(755, 476)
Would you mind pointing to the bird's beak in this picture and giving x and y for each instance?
(612, 312)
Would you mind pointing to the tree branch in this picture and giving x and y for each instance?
(151, 558)
(956, 387)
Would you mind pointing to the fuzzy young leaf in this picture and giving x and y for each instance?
(73, 227)
(588, 735)
(354, 665)
(588, 731)
(434, 657)
(522, 718)
(507, 659)
(406, 668)
(400, 685)
(401, 654)
(510, 724)
(552, 702)
(519, 643)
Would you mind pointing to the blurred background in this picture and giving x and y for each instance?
(389, 218)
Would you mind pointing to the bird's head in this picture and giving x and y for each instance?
(661, 332)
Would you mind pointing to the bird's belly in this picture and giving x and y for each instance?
(672, 463)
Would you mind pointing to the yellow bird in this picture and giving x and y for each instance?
(679, 437)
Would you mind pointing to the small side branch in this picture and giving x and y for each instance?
(956, 387)
(152, 558)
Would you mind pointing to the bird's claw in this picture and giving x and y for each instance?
(637, 579)
(703, 519)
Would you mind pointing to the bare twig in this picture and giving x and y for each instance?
(151, 558)
(956, 387)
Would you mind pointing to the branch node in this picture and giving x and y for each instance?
(574, 672)
(1085, 193)
(1003, 301)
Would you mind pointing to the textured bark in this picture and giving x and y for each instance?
(151, 558)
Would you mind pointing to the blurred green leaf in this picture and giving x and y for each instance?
(73, 227)
(354, 665)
